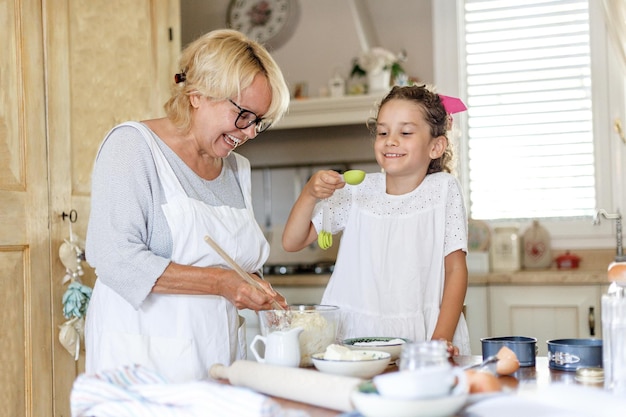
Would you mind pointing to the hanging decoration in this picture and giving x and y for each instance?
(76, 297)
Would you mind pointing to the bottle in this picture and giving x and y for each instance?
(505, 250)
(337, 86)
(614, 330)
(537, 252)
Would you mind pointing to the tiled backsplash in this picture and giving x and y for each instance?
(274, 190)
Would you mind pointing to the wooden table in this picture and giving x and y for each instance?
(526, 378)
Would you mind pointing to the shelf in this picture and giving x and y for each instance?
(327, 111)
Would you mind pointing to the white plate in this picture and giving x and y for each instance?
(375, 363)
(377, 343)
(372, 404)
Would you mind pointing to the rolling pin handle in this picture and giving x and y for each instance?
(218, 371)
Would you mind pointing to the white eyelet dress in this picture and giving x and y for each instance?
(389, 275)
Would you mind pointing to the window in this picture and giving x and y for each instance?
(528, 88)
(538, 141)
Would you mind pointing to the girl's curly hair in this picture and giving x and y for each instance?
(434, 113)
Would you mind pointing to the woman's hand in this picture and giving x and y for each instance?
(244, 295)
(184, 279)
(275, 295)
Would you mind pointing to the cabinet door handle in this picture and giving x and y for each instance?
(592, 321)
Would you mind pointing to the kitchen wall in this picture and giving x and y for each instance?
(326, 38)
(325, 41)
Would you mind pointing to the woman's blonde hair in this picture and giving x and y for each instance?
(219, 65)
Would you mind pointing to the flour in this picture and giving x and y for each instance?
(318, 334)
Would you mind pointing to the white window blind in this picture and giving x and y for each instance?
(530, 141)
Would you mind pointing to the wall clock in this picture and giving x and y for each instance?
(270, 22)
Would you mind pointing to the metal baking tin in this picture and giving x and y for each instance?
(571, 354)
(525, 348)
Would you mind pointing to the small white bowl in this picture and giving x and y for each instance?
(422, 384)
(371, 364)
(371, 404)
(377, 343)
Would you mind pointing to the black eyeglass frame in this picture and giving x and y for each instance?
(261, 124)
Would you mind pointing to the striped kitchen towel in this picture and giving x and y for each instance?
(135, 391)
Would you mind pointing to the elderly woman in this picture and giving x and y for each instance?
(164, 298)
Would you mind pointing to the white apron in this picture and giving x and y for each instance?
(387, 280)
(180, 336)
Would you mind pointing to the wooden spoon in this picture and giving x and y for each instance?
(243, 274)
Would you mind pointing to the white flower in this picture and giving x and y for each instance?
(376, 59)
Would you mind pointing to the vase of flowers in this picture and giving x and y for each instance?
(378, 81)
(380, 67)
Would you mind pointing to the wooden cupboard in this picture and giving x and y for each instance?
(545, 312)
(542, 311)
(69, 71)
(476, 310)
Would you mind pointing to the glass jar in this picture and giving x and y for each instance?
(418, 355)
(614, 339)
(506, 250)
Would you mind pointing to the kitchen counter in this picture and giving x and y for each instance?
(542, 277)
(527, 378)
(525, 277)
(592, 271)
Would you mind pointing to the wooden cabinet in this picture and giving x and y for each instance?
(69, 72)
(534, 310)
(476, 310)
(545, 312)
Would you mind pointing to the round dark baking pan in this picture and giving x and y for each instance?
(571, 354)
(525, 348)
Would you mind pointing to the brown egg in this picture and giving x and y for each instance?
(505, 352)
(507, 366)
(507, 361)
(481, 382)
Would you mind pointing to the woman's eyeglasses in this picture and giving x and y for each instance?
(247, 118)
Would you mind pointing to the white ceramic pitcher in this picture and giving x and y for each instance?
(281, 347)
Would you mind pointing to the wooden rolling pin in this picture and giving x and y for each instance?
(296, 384)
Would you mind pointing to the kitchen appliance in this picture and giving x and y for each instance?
(525, 348)
(572, 354)
(315, 268)
(567, 261)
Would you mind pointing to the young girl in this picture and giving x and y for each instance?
(401, 267)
